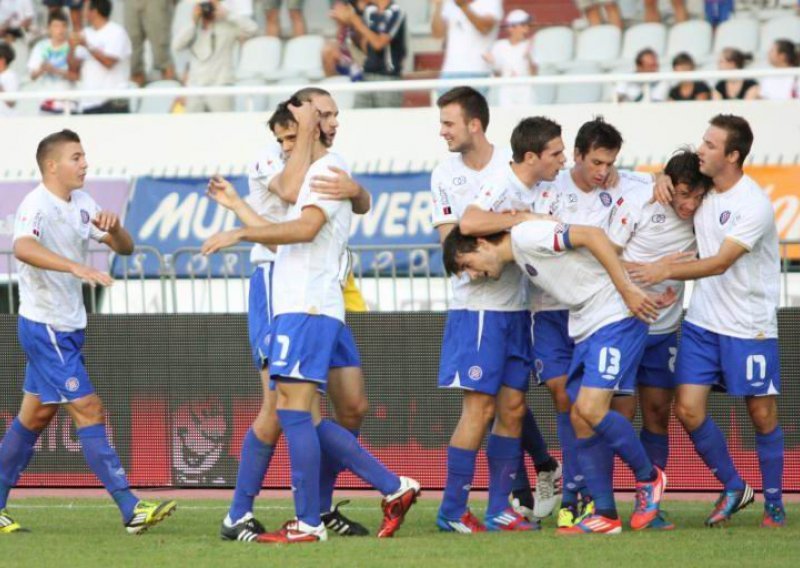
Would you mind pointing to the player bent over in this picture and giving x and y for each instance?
(53, 227)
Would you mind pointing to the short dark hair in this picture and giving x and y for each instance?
(532, 135)
(641, 55)
(786, 48)
(597, 133)
(103, 7)
(305, 94)
(282, 116)
(52, 141)
(7, 53)
(457, 243)
(472, 103)
(683, 58)
(740, 135)
(737, 57)
(57, 16)
(684, 167)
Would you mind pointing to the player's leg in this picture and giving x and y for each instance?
(296, 17)
(770, 447)
(656, 405)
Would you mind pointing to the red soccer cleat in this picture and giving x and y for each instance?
(396, 505)
(648, 500)
(595, 524)
(467, 524)
(294, 531)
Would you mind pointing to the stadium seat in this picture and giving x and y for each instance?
(251, 103)
(578, 93)
(692, 37)
(545, 94)
(553, 46)
(260, 57)
(418, 18)
(598, 44)
(343, 100)
(302, 58)
(740, 33)
(787, 27)
(317, 19)
(641, 36)
(157, 105)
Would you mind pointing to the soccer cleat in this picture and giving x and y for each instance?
(545, 495)
(467, 524)
(245, 529)
(510, 520)
(648, 500)
(294, 531)
(595, 524)
(341, 525)
(660, 523)
(396, 506)
(730, 502)
(587, 508)
(521, 500)
(146, 515)
(9, 525)
(567, 516)
(774, 516)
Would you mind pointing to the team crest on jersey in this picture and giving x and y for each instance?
(605, 198)
(475, 373)
(72, 384)
(723, 218)
(659, 218)
(531, 270)
(572, 198)
(460, 180)
(84, 216)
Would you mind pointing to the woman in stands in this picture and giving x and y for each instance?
(782, 54)
(735, 88)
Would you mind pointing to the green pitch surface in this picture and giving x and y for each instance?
(88, 533)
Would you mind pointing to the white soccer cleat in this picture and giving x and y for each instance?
(545, 496)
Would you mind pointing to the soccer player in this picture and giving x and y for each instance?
(643, 230)
(53, 227)
(729, 337)
(274, 182)
(486, 344)
(609, 345)
(307, 337)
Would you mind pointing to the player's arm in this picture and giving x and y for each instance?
(478, 222)
(32, 252)
(222, 191)
(287, 184)
(301, 230)
(116, 236)
(444, 230)
(680, 269)
(341, 186)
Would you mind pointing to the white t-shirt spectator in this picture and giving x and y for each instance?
(14, 12)
(8, 84)
(465, 44)
(634, 92)
(778, 88)
(113, 41)
(512, 61)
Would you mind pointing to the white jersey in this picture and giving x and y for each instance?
(504, 191)
(455, 186)
(63, 227)
(307, 275)
(646, 232)
(742, 302)
(262, 200)
(579, 282)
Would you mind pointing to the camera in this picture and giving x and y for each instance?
(207, 10)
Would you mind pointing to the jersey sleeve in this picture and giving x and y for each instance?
(328, 206)
(260, 175)
(623, 221)
(542, 238)
(30, 221)
(750, 223)
(493, 197)
(442, 213)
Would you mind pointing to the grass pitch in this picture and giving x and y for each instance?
(88, 533)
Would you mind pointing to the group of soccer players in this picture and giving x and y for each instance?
(582, 249)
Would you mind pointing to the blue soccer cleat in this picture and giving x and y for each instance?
(660, 523)
(730, 502)
(510, 520)
(774, 516)
(467, 524)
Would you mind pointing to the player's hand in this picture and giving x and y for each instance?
(222, 191)
(649, 274)
(663, 190)
(612, 178)
(91, 276)
(306, 115)
(640, 304)
(107, 221)
(220, 241)
(338, 186)
(342, 13)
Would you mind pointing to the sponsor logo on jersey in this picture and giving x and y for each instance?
(620, 201)
(459, 180)
(84, 216)
(605, 198)
(72, 384)
(475, 373)
(531, 270)
(659, 218)
(723, 218)
(572, 198)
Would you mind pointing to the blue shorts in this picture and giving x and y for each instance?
(484, 350)
(259, 313)
(346, 354)
(657, 368)
(55, 370)
(609, 358)
(552, 345)
(305, 347)
(741, 367)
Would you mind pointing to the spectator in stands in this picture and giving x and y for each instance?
(75, 11)
(295, 7)
(382, 34)
(652, 13)
(150, 20)
(8, 79)
(593, 11)
(211, 38)
(646, 62)
(727, 89)
(102, 52)
(469, 28)
(512, 58)
(48, 63)
(16, 19)
(688, 90)
(717, 11)
(782, 55)
(343, 56)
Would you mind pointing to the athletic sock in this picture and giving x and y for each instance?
(533, 442)
(569, 465)
(342, 445)
(504, 455)
(253, 465)
(596, 459)
(16, 450)
(618, 432)
(710, 444)
(460, 471)
(770, 462)
(656, 446)
(330, 468)
(104, 462)
(304, 457)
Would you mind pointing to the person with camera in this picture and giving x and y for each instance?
(211, 38)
